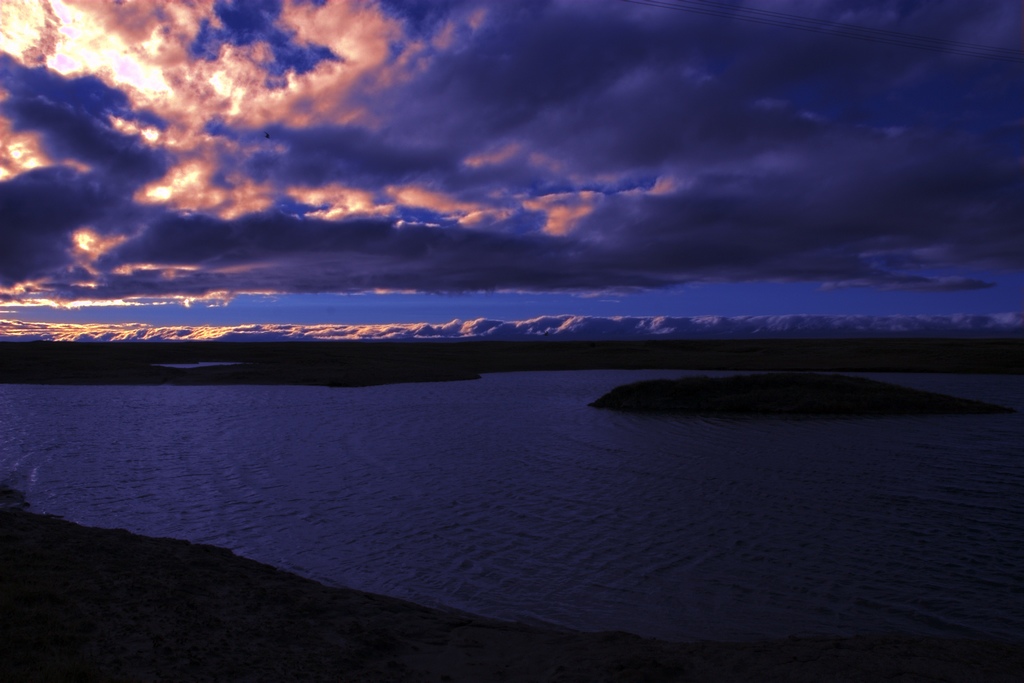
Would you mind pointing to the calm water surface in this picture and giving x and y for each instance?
(509, 497)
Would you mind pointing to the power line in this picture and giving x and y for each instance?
(835, 28)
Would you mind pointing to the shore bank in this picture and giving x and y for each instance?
(352, 364)
(89, 604)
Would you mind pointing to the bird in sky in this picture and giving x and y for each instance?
(266, 135)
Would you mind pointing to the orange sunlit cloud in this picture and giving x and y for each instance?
(566, 326)
(90, 246)
(26, 30)
(148, 133)
(493, 157)
(412, 195)
(142, 53)
(190, 186)
(21, 151)
(339, 201)
(563, 210)
(191, 150)
(468, 214)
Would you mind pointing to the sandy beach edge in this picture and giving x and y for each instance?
(90, 604)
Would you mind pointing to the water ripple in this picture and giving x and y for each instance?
(508, 496)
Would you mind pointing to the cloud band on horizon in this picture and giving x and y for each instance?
(560, 327)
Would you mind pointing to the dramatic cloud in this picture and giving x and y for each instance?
(563, 327)
(200, 150)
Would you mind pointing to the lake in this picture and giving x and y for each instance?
(510, 497)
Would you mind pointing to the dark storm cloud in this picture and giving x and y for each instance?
(287, 253)
(421, 16)
(88, 94)
(69, 135)
(846, 207)
(532, 64)
(561, 146)
(39, 210)
(73, 117)
(794, 168)
(352, 154)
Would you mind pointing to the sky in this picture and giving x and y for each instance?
(465, 168)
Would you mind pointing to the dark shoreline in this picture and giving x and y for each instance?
(367, 363)
(96, 605)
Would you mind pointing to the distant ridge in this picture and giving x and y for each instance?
(568, 327)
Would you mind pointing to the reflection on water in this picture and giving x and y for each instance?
(508, 496)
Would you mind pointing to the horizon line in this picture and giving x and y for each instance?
(564, 326)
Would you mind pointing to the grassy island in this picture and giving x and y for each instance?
(789, 393)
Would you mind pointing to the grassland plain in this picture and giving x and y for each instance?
(368, 363)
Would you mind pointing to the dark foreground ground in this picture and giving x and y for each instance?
(85, 604)
(367, 363)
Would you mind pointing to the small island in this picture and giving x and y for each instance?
(786, 393)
